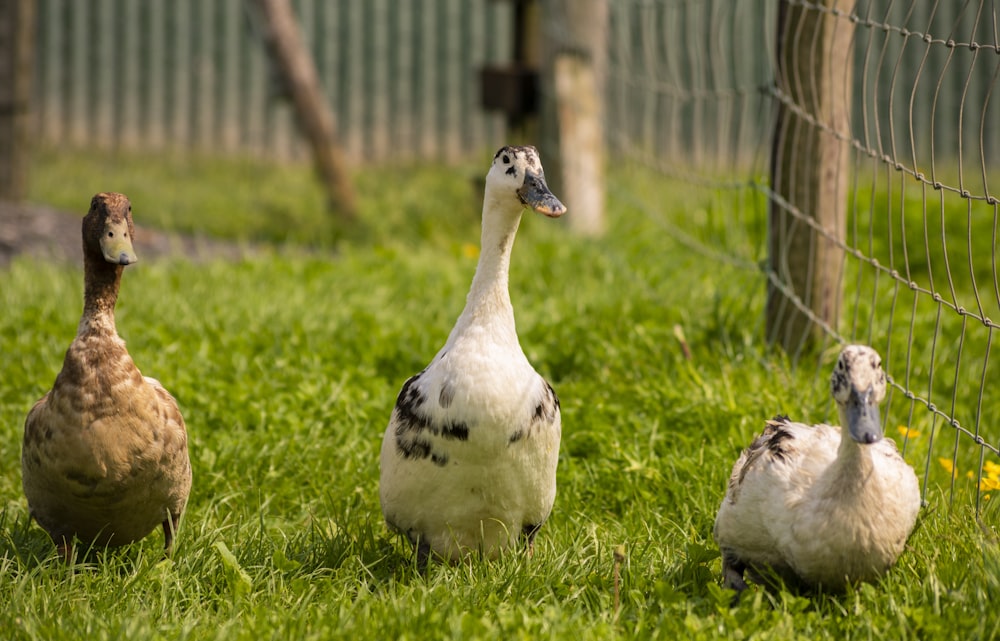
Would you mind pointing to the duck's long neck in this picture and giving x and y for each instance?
(854, 463)
(488, 302)
(100, 293)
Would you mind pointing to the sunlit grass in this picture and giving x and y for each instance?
(286, 367)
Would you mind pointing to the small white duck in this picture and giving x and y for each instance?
(104, 457)
(468, 461)
(821, 505)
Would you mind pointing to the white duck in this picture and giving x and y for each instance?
(468, 461)
(104, 457)
(821, 505)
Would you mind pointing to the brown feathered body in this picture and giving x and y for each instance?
(105, 457)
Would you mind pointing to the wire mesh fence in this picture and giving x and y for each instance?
(693, 98)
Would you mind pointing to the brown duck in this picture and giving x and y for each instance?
(105, 458)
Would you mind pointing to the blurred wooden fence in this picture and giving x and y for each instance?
(401, 77)
(688, 82)
(691, 82)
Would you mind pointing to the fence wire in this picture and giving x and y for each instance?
(692, 100)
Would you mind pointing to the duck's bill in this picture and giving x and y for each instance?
(863, 420)
(536, 194)
(116, 244)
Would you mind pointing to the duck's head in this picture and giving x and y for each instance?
(858, 385)
(108, 229)
(516, 180)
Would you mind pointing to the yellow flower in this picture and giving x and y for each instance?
(947, 464)
(991, 469)
(988, 484)
(907, 432)
(470, 251)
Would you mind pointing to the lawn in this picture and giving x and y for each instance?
(286, 365)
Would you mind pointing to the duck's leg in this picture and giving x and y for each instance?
(423, 555)
(169, 529)
(64, 546)
(732, 572)
(528, 533)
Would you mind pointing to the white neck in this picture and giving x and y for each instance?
(488, 302)
(854, 461)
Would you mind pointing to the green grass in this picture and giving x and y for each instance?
(286, 366)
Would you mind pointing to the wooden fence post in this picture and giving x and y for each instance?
(809, 171)
(288, 51)
(17, 49)
(576, 38)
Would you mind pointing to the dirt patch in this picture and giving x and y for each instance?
(54, 235)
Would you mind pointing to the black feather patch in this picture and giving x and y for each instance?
(414, 428)
(544, 412)
(454, 430)
(408, 403)
(775, 437)
(773, 440)
(547, 407)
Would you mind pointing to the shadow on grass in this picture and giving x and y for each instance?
(26, 548)
(23, 547)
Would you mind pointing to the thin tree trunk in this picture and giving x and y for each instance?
(288, 51)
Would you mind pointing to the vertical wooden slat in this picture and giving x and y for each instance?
(203, 77)
(127, 121)
(428, 78)
(230, 19)
(179, 65)
(398, 41)
(468, 137)
(379, 82)
(255, 106)
(456, 64)
(353, 68)
(76, 84)
(50, 70)
(103, 69)
(17, 31)
(155, 76)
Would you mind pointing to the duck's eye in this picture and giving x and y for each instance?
(506, 159)
(111, 234)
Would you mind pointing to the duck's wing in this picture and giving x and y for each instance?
(413, 426)
(774, 445)
(34, 424)
(763, 479)
(169, 409)
(174, 459)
